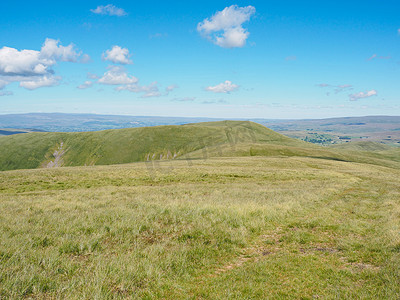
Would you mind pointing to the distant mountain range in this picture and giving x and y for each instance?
(383, 129)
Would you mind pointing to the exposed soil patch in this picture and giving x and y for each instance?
(58, 154)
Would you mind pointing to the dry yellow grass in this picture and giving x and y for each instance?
(239, 228)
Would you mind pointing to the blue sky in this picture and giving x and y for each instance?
(242, 59)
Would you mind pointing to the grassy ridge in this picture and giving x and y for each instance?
(200, 140)
(221, 228)
(120, 146)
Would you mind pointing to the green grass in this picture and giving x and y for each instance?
(363, 146)
(33, 150)
(222, 228)
(192, 141)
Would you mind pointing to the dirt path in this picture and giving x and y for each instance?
(58, 154)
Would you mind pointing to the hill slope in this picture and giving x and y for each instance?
(193, 141)
(33, 150)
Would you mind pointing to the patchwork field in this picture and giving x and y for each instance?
(216, 228)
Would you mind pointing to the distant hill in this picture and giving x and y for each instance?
(11, 131)
(363, 146)
(191, 141)
(61, 122)
(35, 150)
(384, 129)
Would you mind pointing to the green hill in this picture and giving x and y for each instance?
(191, 141)
(33, 150)
(363, 146)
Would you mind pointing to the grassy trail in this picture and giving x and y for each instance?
(330, 248)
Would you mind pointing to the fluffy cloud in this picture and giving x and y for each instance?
(22, 63)
(40, 82)
(224, 87)
(109, 10)
(32, 68)
(360, 95)
(225, 27)
(116, 75)
(85, 85)
(118, 55)
(52, 51)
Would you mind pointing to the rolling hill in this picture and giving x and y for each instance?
(190, 141)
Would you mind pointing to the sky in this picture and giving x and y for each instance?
(241, 59)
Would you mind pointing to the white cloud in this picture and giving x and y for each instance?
(38, 82)
(33, 68)
(118, 55)
(224, 87)
(54, 52)
(116, 75)
(225, 27)
(232, 38)
(22, 63)
(360, 95)
(109, 10)
(85, 85)
(150, 90)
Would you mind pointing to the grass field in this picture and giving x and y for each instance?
(221, 228)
